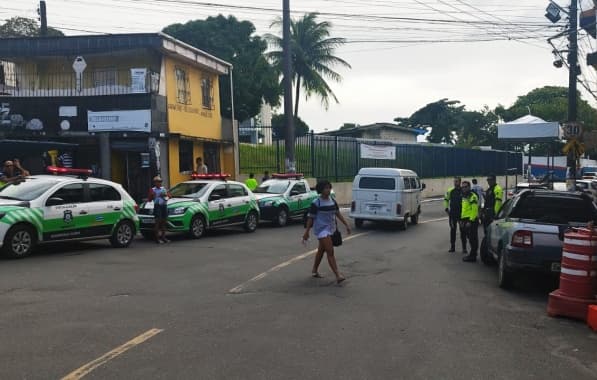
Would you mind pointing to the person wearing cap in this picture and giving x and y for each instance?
(494, 196)
(159, 195)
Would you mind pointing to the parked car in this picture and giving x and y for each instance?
(199, 205)
(524, 185)
(386, 194)
(587, 186)
(53, 208)
(527, 232)
(284, 197)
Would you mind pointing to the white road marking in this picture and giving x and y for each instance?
(79, 373)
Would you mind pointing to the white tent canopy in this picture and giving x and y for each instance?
(530, 129)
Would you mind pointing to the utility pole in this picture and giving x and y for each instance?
(287, 62)
(43, 31)
(572, 75)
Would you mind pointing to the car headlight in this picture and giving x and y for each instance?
(177, 211)
(267, 203)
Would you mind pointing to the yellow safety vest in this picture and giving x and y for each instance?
(470, 207)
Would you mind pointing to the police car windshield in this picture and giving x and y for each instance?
(188, 190)
(272, 187)
(26, 190)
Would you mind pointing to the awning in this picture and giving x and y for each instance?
(10, 149)
(529, 129)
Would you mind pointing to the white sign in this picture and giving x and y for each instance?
(79, 65)
(67, 111)
(378, 152)
(119, 121)
(572, 129)
(138, 80)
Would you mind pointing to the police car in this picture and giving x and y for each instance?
(51, 208)
(206, 202)
(284, 197)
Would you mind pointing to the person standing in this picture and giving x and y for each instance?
(159, 195)
(12, 171)
(493, 201)
(251, 182)
(453, 207)
(322, 218)
(266, 176)
(478, 190)
(469, 224)
(201, 167)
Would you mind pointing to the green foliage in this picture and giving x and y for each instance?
(441, 116)
(279, 126)
(234, 41)
(24, 27)
(312, 57)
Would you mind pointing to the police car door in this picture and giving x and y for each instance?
(238, 202)
(297, 198)
(218, 212)
(105, 209)
(63, 211)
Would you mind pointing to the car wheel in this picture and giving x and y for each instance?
(197, 227)
(281, 217)
(414, 219)
(123, 234)
(149, 235)
(358, 223)
(19, 242)
(251, 222)
(486, 257)
(504, 276)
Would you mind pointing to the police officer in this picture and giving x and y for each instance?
(469, 224)
(493, 201)
(453, 207)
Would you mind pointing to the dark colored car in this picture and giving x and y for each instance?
(527, 232)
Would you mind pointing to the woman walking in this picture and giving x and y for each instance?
(159, 195)
(322, 218)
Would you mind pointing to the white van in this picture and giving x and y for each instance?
(386, 194)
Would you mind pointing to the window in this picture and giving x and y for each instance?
(407, 183)
(71, 193)
(207, 93)
(299, 188)
(554, 209)
(99, 192)
(104, 77)
(185, 156)
(378, 183)
(236, 191)
(413, 183)
(220, 192)
(183, 89)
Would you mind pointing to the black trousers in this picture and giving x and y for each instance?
(471, 233)
(454, 225)
(488, 216)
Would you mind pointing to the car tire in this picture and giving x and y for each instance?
(414, 220)
(358, 223)
(504, 276)
(149, 235)
(19, 242)
(251, 222)
(486, 257)
(123, 234)
(197, 227)
(281, 218)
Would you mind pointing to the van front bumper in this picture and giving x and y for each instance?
(386, 218)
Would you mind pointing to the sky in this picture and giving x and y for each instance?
(404, 53)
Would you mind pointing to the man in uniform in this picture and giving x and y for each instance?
(453, 207)
(251, 182)
(493, 201)
(469, 224)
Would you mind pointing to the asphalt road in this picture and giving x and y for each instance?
(224, 308)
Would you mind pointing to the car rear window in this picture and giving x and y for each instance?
(377, 183)
(554, 209)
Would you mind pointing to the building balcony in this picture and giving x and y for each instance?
(89, 83)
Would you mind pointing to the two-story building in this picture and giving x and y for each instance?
(134, 105)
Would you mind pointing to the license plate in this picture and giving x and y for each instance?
(373, 207)
(146, 220)
(555, 267)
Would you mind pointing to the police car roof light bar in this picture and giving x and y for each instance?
(69, 171)
(220, 176)
(288, 176)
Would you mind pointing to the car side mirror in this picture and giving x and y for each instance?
(293, 193)
(423, 186)
(55, 201)
(215, 197)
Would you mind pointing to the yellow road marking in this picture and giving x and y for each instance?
(92, 365)
(240, 288)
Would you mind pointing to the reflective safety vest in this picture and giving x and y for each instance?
(494, 199)
(470, 207)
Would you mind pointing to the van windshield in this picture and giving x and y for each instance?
(378, 183)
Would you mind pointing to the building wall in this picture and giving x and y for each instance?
(192, 119)
(390, 134)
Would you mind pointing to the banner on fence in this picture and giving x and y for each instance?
(378, 152)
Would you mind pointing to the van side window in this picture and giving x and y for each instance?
(378, 183)
(406, 183)
(413, 183)
(418, 183)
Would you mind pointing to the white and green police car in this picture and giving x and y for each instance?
(209, 201)
(51, 208)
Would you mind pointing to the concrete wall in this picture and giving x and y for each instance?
(435, 187)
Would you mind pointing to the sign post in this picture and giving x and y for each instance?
(574, 149)
(79, 65)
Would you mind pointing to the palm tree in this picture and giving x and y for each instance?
(312, 57)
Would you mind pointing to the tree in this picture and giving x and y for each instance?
(279, 126)
(255, 79)
(312, 58)
(24, 27)
(441, 117)
(477, 128)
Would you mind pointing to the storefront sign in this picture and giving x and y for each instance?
(378, 152)
(138, 81)
(119, 121)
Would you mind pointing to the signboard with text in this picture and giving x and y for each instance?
(378, 152)
(119, 121)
